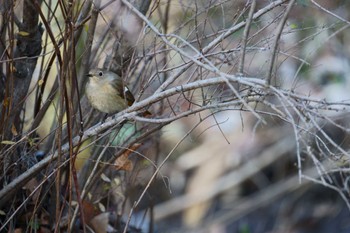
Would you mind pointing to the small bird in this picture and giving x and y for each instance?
(106, 92)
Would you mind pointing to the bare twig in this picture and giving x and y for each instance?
(245, 37)
(17, 183)
(329, 12)
(276, 41)
(90, 37)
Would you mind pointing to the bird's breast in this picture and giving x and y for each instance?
(104, 97)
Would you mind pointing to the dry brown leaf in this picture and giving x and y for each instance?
(14, 130)
(123, 162)
(31, 185)
(90, 211)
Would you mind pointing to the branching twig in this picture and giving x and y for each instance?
(276, 41)
(245, 37)
(7, 191)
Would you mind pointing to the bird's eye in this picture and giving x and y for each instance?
(100, 73)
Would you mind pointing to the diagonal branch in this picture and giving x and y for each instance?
(129, 113)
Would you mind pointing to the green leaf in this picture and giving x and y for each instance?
(293, 26)
(126, 133)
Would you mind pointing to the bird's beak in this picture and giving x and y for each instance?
(89, 75)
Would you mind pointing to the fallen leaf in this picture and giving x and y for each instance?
(31, 186)
(14, 130)
(123, 162)
(40, 82)
(105, 178)
(23, 33)
(90, 211)
(7, 142)
(101, 207)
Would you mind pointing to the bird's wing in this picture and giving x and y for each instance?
(124, 91)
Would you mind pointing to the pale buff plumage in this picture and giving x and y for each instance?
(106, 93)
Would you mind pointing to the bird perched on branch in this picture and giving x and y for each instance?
(106, 92)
